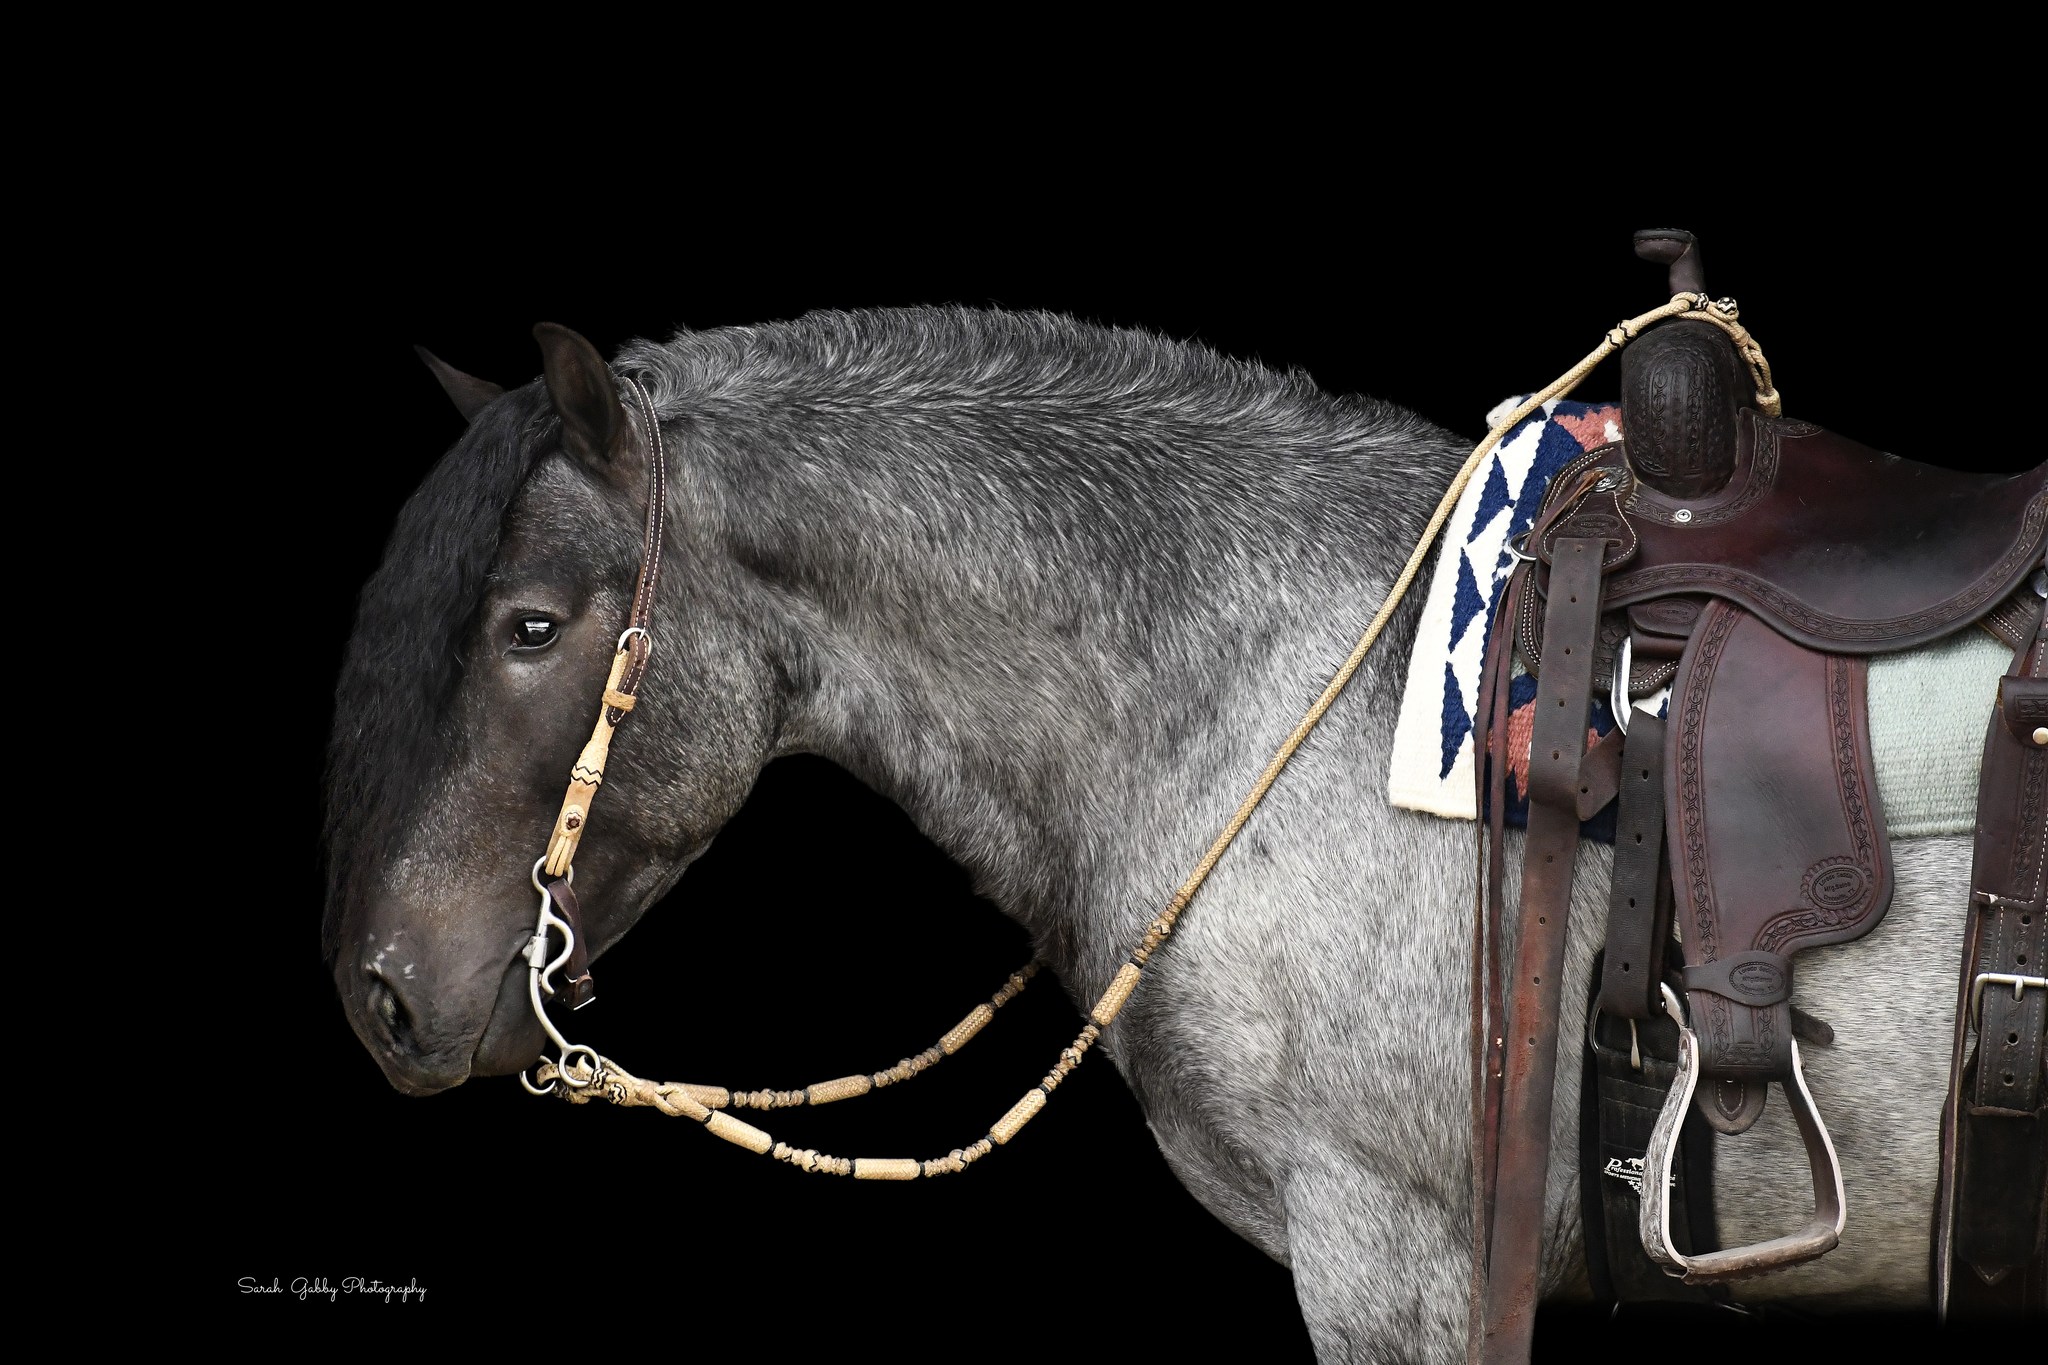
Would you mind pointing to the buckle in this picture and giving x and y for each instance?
(2019, 986)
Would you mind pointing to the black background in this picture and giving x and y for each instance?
(821, 935)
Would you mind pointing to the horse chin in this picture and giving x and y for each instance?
(512, 1041)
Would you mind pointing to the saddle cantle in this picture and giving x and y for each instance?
(1754, 563)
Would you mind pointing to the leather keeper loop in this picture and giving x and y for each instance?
(1655, 647)
(617, 700)
(2023, 705)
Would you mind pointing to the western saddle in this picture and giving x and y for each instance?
(1755, 564)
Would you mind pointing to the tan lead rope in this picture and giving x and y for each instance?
(608, 1081)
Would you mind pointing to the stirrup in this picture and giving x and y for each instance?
(1817, 1238)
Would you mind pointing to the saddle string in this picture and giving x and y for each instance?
(581, 1074)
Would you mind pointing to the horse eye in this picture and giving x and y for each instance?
(532, 632)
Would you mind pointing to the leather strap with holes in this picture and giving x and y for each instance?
(1989, 1254)
(1557, 746)
(629, 664)
(1639, 910)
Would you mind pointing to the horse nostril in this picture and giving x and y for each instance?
(390, 1012)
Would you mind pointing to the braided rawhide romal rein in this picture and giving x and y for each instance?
(580, 1074)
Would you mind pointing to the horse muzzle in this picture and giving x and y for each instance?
(430, 1035)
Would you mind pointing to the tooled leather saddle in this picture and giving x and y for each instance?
(1755, 564)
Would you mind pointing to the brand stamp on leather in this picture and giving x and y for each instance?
(1757, 980)
(1629, 1171)
(320, 1287)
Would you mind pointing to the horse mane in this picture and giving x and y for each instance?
(404, 653)
(936, 358)
(1129, 471)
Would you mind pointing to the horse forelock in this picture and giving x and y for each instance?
(404, 654)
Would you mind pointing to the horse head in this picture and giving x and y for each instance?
(480, 649)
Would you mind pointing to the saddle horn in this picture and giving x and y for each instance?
(1682, 385)
(1678, 249)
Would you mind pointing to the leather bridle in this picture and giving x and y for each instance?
(553, 873)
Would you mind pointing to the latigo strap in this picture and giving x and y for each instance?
(1992, 1213)
(1639, 909)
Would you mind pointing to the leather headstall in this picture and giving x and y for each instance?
(621, 692)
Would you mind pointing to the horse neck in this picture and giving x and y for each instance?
(1063, 655)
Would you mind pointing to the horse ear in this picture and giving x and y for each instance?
(586, 398)
(468, 393)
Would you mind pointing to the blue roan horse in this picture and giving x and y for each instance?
(1057, 591)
